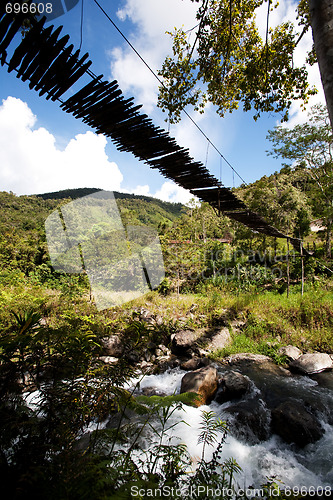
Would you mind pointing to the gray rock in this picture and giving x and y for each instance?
(183, 341)
(250, 421)
(153, 391)
(202, 352)
(159, 320)
(109, 360)
(83, 442)
(203, 381)
(146, 316)
(312, 363)
(112, 346)
(290, 351)
(232, 385)
(256, 363)
(194, 363)
(162, 350)
(146, 366)
(295, 424)
(191, 364)
(164, 363)
(134, 356)
(248, 357)
(219, 340)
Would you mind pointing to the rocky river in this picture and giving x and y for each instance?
(280, 418)
(281, 424)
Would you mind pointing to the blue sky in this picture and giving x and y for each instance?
(43, 149)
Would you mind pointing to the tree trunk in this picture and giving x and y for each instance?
(328, 238)
(302, 264)
(288, 271)
(321, 17)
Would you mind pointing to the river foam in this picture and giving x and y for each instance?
(311, 466)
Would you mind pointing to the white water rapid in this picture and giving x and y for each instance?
(311, 466)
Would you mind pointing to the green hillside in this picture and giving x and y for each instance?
(22, 218)
(172, 208)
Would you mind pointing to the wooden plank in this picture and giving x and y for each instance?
(13, 29)
(48, 53)
(50, 78)
(80, 96)
(30, 61)
(25, 46)
(66, 77)
(77, 72)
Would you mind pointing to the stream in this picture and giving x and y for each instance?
(260, 458)
(271, 457)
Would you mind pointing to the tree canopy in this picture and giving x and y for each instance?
(280, 202)
(230, 64)
(309, 147)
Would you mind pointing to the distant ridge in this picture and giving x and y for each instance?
(174, 208)
(67, 193)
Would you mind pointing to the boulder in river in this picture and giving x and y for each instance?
(191, 364)
(248, 363)
(153, 391)
(250, 421)
(312, 363)
(203, 381)
(220, 339)
(295, 424)
(232, 385)
(194, 363)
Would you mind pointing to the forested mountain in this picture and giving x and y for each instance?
(170, 208)
(22, 218)
(288, 199)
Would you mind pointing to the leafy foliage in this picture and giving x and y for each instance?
(46, 448)
(280, 202)
(229, 63)
(309, 148)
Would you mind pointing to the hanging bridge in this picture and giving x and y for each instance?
(46, 60)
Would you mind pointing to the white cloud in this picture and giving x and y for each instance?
(30, 161)
(142, 190)
(174, 193)
(151, 18)
(154, 17)
(134, 77)
(298, 116)
(169, 191)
